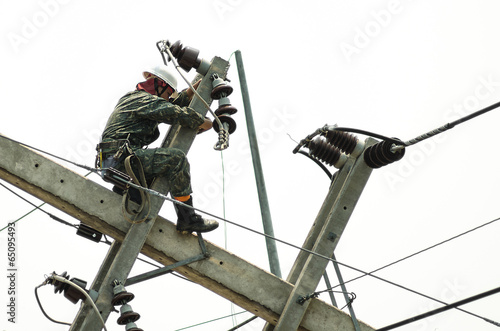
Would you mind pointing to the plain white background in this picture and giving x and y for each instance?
(398, 68)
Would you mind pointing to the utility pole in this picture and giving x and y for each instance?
(121, 256)
(323, 237)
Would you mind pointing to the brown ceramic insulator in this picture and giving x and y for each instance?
(320, 149)
(344, 141)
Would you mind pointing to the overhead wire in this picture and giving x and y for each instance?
(408, 143)
(158, 194)
(36, 208)
(210, 321)
(91, 169)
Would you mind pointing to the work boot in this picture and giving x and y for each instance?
(188, 221)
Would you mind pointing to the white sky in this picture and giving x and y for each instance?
(398, 68)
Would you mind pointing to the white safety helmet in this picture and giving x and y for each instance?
(162, 72)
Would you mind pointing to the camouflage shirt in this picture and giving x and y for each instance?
(138, 113)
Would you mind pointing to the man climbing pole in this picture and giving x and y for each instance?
(133, 125)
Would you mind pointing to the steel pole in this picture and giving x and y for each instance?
(272, 251)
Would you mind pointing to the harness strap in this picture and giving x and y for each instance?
(145, 199)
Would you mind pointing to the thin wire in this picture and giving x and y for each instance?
(81, 290)
(50, 154)
(450, 125)
(419, 252)
(210, 321)
(260, 233)
(310, 252)
(224, 216)
(41, 307)
(36, 207)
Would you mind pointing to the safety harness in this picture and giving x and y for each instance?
(109, 155)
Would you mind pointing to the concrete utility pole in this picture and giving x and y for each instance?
(323, 237)
(223, 273)
(121, 256)
(282, 303)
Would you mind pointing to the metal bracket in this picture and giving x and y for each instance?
(167, 269)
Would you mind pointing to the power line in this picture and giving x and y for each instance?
(274, 238)
(210, 321)
(447, 126)
(36, 208)
(423, 250)
(445, 308)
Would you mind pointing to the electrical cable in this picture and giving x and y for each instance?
(309, 252)
(41, 308)
(210, 321)
(421, 251)
(443, 309)
(319, 163)
(260, 233)
(87, 296)
(450, 125)
(36, 207)
(50, 154)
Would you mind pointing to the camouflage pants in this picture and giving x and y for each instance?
(170, 163)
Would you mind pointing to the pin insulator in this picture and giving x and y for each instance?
(220, 88)
(120, 294)
(127, 315)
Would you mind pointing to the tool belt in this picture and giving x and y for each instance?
(109, 155)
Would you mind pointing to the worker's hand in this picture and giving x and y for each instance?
(190, 92)
(207, 125)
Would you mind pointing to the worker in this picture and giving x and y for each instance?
(135, 121)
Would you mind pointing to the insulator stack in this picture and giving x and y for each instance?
(344, 141)
(380, 154)
(221, 90)
(128, 317)
(320, 149)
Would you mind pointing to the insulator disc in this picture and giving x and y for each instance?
(122, 298)
(127, 317)
(229, 110)
(222, 90)
(323, 151)
(344, 141)
(225, 119)
(60, 286)
(175, 49)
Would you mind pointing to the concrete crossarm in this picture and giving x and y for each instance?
(231, 277)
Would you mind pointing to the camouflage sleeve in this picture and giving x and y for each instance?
(181, 100)
(160, 110)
